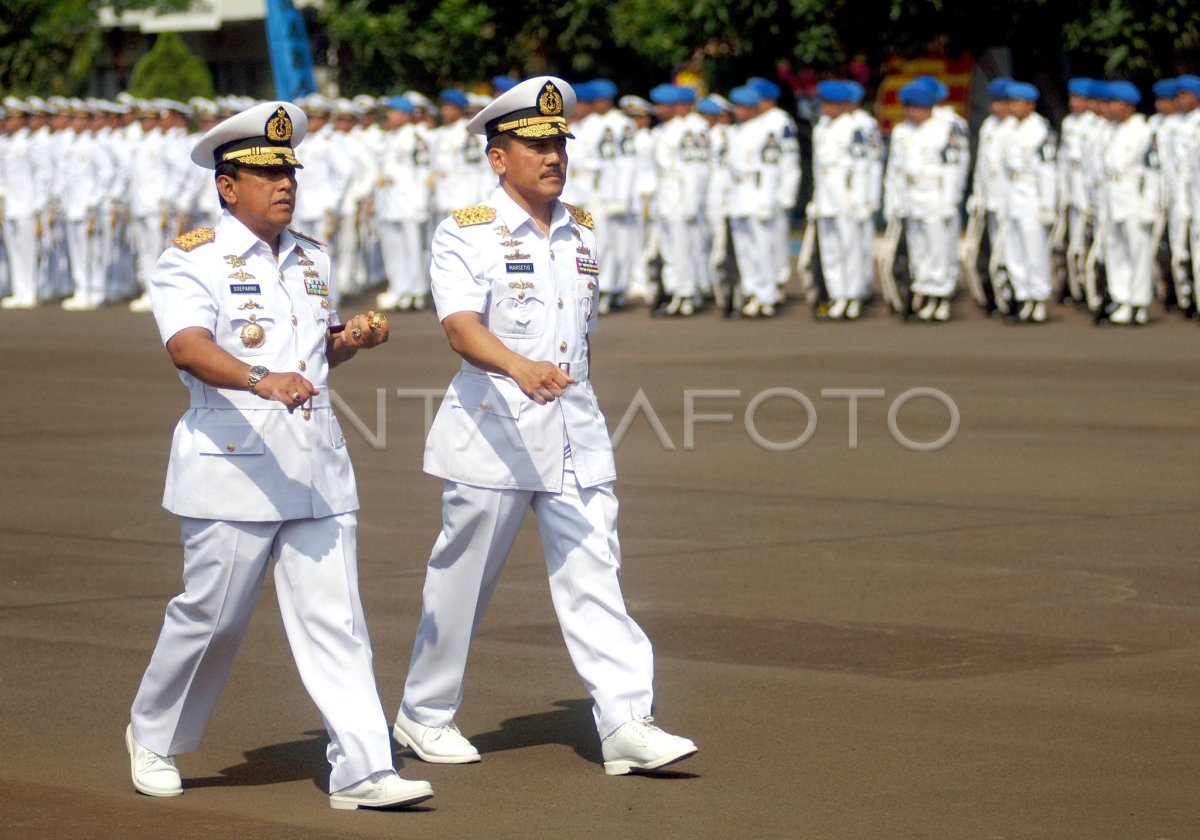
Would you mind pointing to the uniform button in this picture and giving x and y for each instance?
(294, 321)
(307, 413)
(483, 404)
(253, 317)
(229, 447)
(301, 365)
(563, 347)
(560, 303)
(520, 296)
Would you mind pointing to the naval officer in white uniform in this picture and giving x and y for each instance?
(515, 284)
(259, 470)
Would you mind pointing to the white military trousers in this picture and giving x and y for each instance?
(932, 247)
(21, 243)
(316, 578)
(1027, 253)
(578, 526)
(1127, 259)
(404, 261)
(752, 239)
(680, 244)
(841, 256)
(149, 241)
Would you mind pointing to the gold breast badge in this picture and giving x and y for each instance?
(234, 261)
(253, 335)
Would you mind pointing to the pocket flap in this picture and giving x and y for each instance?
(482, 393)
(228, 437)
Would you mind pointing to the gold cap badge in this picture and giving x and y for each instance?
(279, 127)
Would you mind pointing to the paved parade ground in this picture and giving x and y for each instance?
(999, 638)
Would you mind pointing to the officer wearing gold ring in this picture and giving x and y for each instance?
(259, 470)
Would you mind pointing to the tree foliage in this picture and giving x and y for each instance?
(170, 71)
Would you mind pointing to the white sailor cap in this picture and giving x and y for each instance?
(366, 102)
(264, 135)
(419, 100)
(203, 108)
(532, 109)
(631, 104)
(478, 101)
(15, 106)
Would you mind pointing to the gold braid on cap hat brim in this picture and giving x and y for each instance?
(535, 127)
(262, 156)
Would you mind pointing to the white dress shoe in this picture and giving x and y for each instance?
(1139, 315)
(750, 309)
(837, 309)
(17, 303)
(640, 745)
(141, 304)
(1123, 314)
(386, 302)
(853, 309)
(419, 303)
(942, 312)
(925, 313)
(767, 310)
(435, 744)
(380, 790)
(153, 774)
(1038, 313)
(686, 307)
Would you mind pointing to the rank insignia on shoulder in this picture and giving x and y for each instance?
(587, 266)
(306, 237)
(580, 215)
(520, 284)
(480, 214)
(194, 238)
(518, 268)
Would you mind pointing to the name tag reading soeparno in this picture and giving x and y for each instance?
(244, 289)
(519, 267)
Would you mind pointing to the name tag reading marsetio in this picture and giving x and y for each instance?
(519, 267)
(244, 289)
(587, 266)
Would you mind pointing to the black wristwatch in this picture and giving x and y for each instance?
(256, 374)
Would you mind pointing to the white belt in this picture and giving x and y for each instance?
(577, 370)
(229, 398)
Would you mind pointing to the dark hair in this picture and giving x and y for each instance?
(500, 141)
(225, 168)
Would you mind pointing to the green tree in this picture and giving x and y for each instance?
(170, 70)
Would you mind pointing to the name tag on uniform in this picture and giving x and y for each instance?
(245, 289)
(587, 266)
(519, 267)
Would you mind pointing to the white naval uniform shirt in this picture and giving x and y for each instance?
(236, 456)
(538, 295)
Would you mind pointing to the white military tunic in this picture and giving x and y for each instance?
(503, 454)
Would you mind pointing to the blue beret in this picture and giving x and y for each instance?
(504, 83)
(584, 92)
(662, 94)
(1188, 84)
(684, 94)
(400, 103)
(998, 87)
(765, 87)
(1023, 91)
(603, 88)
(857, 92)
(707, 106)
(918, 95)
(1123, 91)
(833, 91)
(1165, 89)
(1080, 86)
(1100, 89)
(454, 97)
(940, 91)
(745, 96)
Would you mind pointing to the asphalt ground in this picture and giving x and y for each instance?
(997, 639)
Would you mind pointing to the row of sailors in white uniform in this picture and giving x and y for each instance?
(1126, 183)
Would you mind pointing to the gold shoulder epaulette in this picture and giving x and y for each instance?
(580, 215)
(307, 238)
(480, 214)
(194, 238)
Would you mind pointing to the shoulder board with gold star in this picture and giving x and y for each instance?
(580, 215)
(307, 238)
(480, 214)
(194, 238)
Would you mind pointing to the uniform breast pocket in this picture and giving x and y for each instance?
(252, 334)
(322, 313)
(228, 437)
(518, 314)
(584, 292)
